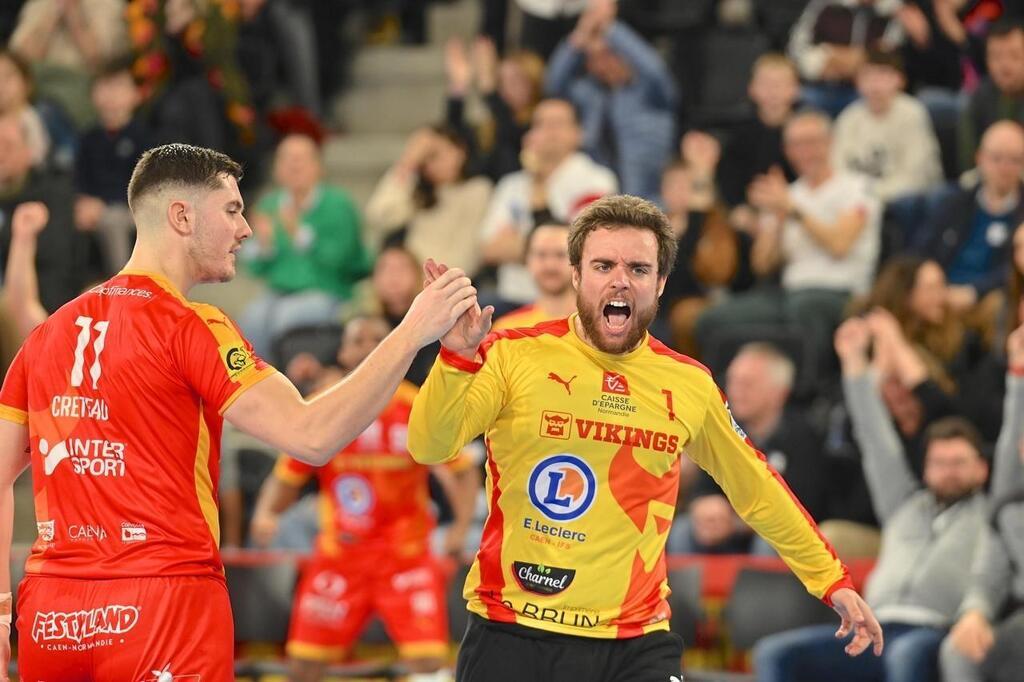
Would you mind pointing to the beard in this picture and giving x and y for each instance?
(639, 320)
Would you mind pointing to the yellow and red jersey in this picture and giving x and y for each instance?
(583, 453)
(374, 498)
(123, 391)
(527, 316)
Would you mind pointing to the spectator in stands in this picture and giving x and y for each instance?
(277, 40)
(308, 247)
(106, 157)
(968, 233)
(921, 576)
(756, 144)
(624, 93)
(713, 259)
(190, 78)
(1005, 315)
(67, 41)
(821, 234)
(830, 41)
(547, 260)
(984, 644)
(886, 134)
(397, 278)
(1001, 95)
(510, 91)
(547, 22)
(428, 202)
(930, 357)
(935, 41)
(556, 178)
(759, 381)
(15, 91)
(62, 259)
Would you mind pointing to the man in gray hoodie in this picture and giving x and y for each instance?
(985, 643)
(921, 574)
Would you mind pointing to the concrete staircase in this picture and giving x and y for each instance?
(395, 89)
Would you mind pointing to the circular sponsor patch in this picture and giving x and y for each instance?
(354, 495)
(562, 487)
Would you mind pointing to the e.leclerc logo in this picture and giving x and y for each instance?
(562, 487)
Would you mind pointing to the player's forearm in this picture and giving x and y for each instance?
(275, 497)
(21, 286)
(6, 536)
(335, 417)
(463, 498)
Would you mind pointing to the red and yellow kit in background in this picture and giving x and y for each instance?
(373, 553)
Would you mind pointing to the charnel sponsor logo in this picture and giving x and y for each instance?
(78, 627)
(541, 579)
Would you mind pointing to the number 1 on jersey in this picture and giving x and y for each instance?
(77, 371)
(668, 403)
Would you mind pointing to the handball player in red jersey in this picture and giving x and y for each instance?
(117, 403)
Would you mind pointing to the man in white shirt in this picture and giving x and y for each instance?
(556, 178)
(820, 235)
(887, 134)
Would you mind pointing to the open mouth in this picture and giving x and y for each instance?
(616, 315)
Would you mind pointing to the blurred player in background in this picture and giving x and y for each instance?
(585, 420)
(117, 402)
(547, 260)
(373, 553)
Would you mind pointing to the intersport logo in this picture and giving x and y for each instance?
(79, 626)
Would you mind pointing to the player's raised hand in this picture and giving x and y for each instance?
(471, 327)
(858, 619)
(29, 219)
(439, 306)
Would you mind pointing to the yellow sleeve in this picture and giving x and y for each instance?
(459, 400)
(763, 499)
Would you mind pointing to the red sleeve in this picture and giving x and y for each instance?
(215, 358)
(14, 395)
(292, 471)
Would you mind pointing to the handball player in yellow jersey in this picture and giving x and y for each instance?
(585, 420)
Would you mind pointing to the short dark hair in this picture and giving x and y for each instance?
(548, 221)
(949, 428)
(1004, 27)
(887, 58)
(179, 164)
(115, 67)
(567, 102)
(620, 211)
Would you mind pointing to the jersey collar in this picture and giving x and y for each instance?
(599, 355)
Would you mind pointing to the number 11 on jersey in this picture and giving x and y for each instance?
(87, 326)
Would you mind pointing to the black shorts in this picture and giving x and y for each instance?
(506, 652)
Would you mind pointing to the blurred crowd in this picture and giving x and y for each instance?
(844, 178)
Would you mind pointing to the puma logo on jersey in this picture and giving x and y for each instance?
(554, 377)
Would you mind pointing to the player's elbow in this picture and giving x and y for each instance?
(426, 452)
